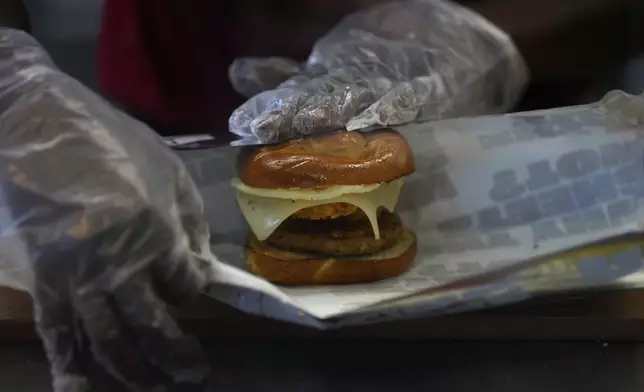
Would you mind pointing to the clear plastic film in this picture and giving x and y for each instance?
(396, 63)
(101, 223)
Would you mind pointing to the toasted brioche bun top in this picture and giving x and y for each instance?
(342, 158)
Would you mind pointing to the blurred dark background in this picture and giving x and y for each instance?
(577, 50)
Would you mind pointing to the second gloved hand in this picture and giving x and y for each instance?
(110, 229)
(396, 63)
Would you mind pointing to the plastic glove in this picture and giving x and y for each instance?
(396, 63)
(109, 225)
(251, 75)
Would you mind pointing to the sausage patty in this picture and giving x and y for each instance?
(345, 236)
(326, 211)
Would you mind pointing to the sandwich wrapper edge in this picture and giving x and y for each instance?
(495, 202)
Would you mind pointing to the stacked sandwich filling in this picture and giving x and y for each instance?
(327, 228)
(266, 210)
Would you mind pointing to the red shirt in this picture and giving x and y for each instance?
(167, 60)
(157, 58)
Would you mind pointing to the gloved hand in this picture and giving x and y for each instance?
(109, 226)
(399, 62)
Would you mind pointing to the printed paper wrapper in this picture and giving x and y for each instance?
(504, 207)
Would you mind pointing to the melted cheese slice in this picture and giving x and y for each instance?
(266, 209)
(305, 194)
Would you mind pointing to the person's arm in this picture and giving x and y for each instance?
(13, 13)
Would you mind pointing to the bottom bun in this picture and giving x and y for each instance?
(291, 268)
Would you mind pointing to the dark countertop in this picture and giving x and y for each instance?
(494, 352)
(498, 350)
(389, 366)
